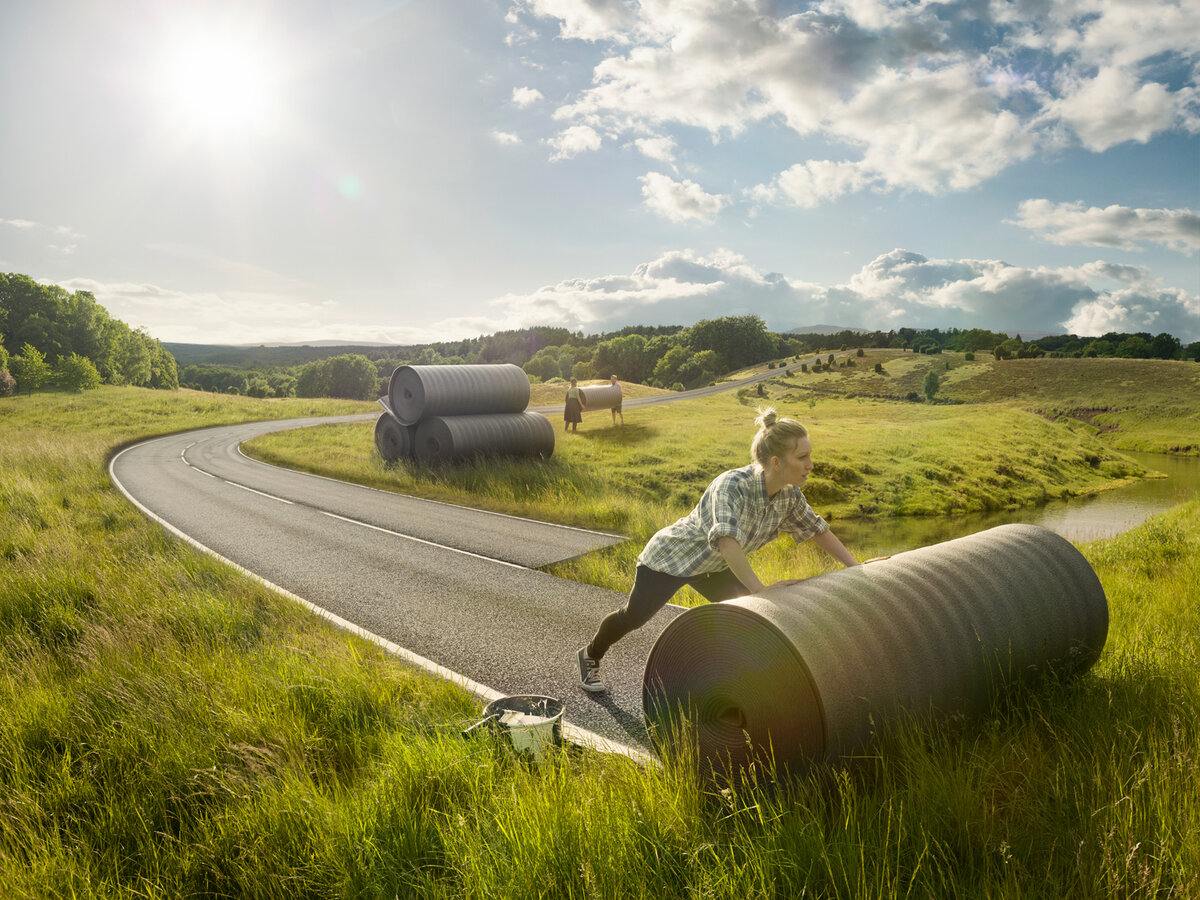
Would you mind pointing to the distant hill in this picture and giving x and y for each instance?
(825, 329)
(1026, 334)
(262, 355)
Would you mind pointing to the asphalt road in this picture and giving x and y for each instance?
(449, 588)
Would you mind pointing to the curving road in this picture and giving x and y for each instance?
(452, 589)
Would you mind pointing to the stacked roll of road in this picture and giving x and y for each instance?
(815, 671)
(442, 413)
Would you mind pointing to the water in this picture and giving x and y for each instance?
(1084, 519)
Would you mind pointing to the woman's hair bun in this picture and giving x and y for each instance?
(766, 417)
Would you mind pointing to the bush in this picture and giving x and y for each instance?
(76, 373)
(879, 368)
(913, 397)
(860, 353)
(8, 384)
(677, 386)
(969, 356)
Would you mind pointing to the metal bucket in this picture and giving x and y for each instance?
(529, 723)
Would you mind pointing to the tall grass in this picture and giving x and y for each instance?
(169, 728)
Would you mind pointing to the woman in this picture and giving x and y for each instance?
(573, 410)
(742, 510)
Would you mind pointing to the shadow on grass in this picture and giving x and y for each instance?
(630, 433)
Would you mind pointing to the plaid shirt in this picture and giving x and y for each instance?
(734, 505)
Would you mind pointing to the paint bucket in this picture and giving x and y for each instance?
(528, 722)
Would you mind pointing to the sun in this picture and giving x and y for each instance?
(219, 86)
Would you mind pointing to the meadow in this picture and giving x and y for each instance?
(171, 728)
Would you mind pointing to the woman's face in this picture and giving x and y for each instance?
(794, 466)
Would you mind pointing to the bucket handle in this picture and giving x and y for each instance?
(484, 723)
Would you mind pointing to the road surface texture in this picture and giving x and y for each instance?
(452, 589)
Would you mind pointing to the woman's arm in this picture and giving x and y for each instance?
(738, 564)
(829, 542)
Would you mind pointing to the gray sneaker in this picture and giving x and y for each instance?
(589, 672)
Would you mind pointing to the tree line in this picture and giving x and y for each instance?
(1139, 345)
(50, 337)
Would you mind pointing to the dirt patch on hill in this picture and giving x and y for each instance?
(1087, 414)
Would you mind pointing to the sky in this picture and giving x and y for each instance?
(406, 171)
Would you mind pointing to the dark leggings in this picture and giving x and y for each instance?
(651, 591)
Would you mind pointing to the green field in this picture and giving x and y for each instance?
(171, 728)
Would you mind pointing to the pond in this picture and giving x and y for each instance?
(1083, 519)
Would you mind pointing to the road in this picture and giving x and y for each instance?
(452, 589)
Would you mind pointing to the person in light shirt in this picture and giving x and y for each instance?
(741, 510)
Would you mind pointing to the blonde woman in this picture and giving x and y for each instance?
(741, 510)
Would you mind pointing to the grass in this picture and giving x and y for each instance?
(171, 728)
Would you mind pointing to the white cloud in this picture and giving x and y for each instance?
(660, 148)
(573, 141)
(505, 138)
(809, 184)
(58, 238)
(680, 201)
(1112, 226)
(1114, 106)
(918, 95)
(525, 96)
(897, 289)
(589, 20)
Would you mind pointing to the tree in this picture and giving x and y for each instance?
(930, 385)
(8, 384)
(737, 341)
(700, 369)
(352, 377)
(29, 369)
(626, 357)
(76, 373)
(313, 380)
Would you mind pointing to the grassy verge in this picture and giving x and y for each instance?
(169, 729)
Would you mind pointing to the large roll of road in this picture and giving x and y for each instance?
(604, 396)
(421, 392)
(812, 672)
(443, 438)
(393, 440)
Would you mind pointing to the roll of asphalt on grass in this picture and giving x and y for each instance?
(813, 672)
(445, 438)
(422, 392)
(393, 440)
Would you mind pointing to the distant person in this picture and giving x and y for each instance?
(573, 410)
(741, 510)
(616, 410)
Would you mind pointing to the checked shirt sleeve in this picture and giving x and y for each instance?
(802, 522)
(727, 504)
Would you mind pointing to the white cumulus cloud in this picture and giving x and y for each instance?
(900, 288)
(1111, 226)
(574, 140)
(526, 96)
(680, 201)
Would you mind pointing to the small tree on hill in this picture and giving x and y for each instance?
(76, 373)
(30, 369)
(930, 386)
